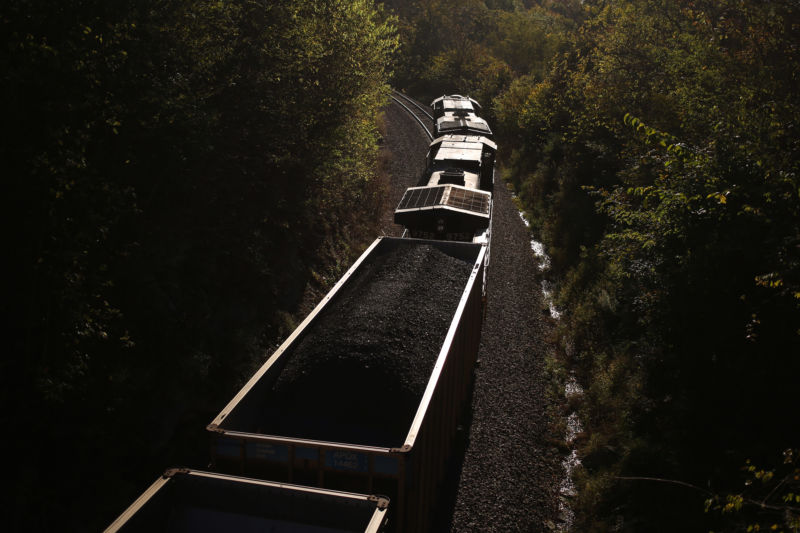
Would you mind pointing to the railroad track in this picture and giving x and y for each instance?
(420, 114)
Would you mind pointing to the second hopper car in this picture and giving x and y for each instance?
(206, 502)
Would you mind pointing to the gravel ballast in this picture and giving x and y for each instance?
(404, 149)
(360, 371)
(512, 469)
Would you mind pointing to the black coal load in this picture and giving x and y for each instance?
(360, 372)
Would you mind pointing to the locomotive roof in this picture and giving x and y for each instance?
(459, 151)
(452, 139)
(474, 123)
(445, 174)
(456, 101)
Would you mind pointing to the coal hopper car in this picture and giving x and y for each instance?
(367, 393)
(205, 502)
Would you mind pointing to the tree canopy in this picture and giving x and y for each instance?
(178, 173)
(652, 144)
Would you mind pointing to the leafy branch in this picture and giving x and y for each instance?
(774, 504)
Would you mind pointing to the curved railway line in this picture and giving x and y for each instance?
(413, 102)
(420, 111)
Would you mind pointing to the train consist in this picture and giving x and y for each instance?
(350, 424)
(454, 199)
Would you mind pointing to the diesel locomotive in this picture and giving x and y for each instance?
(453, 200)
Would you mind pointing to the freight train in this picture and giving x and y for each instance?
(350, 425)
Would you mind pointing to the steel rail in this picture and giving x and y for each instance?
(419, 120)
(414, 103)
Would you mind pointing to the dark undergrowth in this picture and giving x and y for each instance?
(172, 203)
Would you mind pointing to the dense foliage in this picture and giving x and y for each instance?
(653, 144)
(180, 173)
(475, 47)
(177, 175)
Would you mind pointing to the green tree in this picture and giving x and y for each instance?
(657, 160)
(177, 174)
